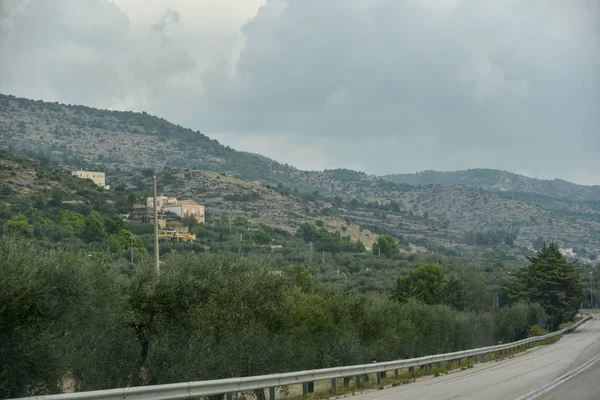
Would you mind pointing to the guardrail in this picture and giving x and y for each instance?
(230, 386)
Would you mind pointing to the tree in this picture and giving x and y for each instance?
(18, 225)
(242, 221)
(190, 221)
(456, 293)
(308, 232)
(426, 283)
(73, 220)
(72, 318)
(553, 283)
(387, 245)
(261, 236)
(300, 276)
(93, 228)
(114, 224)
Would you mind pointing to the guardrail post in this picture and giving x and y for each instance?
(229, 396)
(310, 386)
(378, 378)
(334, 385)
(272, 393)
(397, 373)
(357, 381)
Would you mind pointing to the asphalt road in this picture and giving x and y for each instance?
(568, 369)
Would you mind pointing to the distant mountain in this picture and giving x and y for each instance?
(429, 209)
(502, 181)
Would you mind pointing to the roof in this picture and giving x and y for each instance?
(189, 203)
(89, 172)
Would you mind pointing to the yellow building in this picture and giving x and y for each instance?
(97, 177)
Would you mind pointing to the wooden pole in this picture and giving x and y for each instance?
(155, 206)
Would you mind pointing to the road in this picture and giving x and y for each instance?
(568, 369)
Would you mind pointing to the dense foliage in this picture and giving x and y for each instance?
(209, 316)
(553, 283)
(324, 240)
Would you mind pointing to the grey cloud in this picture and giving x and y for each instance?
(382, 85)
(80, 51)
(443, 87)
(170, 16)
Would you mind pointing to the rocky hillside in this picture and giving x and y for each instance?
(22, 178)
(429, 208)
(502, 181)
(77, 136)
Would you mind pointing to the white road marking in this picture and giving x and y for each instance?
(534, 394)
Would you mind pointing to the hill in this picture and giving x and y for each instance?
(488, 210)
(79, 136)
(502, 181)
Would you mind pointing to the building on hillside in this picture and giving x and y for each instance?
(162, 201)
(185, 208)
(144, 214)
(97, 177)
(181, 208)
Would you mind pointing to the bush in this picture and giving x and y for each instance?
(242, 316)
(72, 319)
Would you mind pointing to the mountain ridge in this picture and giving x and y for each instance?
(130, 146)
(501, 181)
(418, 178)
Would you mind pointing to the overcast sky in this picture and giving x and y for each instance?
(382, 86)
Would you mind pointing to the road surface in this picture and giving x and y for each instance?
(568, 369)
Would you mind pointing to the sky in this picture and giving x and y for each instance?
(380, 86)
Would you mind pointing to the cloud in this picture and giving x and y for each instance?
(381, 85)
(170, 16)
(404, 86)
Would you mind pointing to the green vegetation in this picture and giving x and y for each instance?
(553, 283)
(429, 284)
(481, 208)
(74, 307)
(491, 238)
(324, 240)
(386, 245)
(89, 320)
(59, 210)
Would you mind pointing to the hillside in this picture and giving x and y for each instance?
(79, 136)
(24, 182)
(428, 209)
(502, 181)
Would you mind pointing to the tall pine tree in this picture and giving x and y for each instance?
(552, 282)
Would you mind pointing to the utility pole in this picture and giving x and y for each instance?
(131, 249)
(155, 206)
(591, 290)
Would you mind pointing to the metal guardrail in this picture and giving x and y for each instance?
(229, 386)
